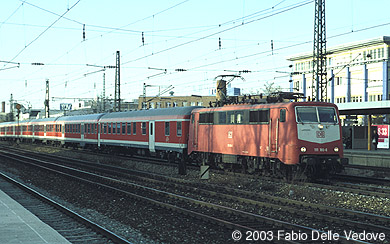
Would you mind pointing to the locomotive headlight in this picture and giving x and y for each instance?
(320, 126)
(336, 149)
(303, 149)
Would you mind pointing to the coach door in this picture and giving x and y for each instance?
(151, 136)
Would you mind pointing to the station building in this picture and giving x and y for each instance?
(357, 72)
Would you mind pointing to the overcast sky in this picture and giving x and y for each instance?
(206, 38)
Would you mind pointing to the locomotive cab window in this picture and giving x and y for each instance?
(316, 115)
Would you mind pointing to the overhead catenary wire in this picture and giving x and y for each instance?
(42, 33)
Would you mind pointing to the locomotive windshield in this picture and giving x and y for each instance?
(316, 115)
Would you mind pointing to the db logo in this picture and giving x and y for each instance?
(320, 134)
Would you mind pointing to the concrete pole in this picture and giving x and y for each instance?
(369, 133)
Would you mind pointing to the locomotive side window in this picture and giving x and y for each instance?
(282, 115)
(206, 118)
(230, 117)
(221, 118)
(239, 117)
(167, 128)
(259, 116)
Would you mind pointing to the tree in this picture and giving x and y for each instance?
(270, 87)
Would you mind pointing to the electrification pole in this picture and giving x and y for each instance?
(47, 99)
(117, 99)
(104, 92)
(319, 85)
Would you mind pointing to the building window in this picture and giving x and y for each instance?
(167, 129)
(168, 105)
(134, 128)
(178, 128)
(158, 105)
(200, 103)
(193, 103)
(185, 104)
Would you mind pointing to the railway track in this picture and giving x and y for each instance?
(75, 228)
(234, 218)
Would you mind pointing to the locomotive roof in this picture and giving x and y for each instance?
(81, 118)
(160, 112)
(265, 105)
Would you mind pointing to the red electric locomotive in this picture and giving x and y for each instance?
(278, 138)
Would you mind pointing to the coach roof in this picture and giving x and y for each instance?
(150, 113)
(88, 118)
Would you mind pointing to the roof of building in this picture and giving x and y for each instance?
(344, 47)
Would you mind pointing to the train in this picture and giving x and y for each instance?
(284, 139)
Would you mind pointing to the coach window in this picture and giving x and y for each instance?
(118, 128)
(143, 125)
(113, 128)
(178, 128)
(123, 128)
(167, 129)
(282, 115)
(134, 128)
(105, 128)
(109, 128)
(129, 128)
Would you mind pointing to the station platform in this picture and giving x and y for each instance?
(363, 157)
(18, 225)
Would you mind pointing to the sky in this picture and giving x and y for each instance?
(68, 42)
